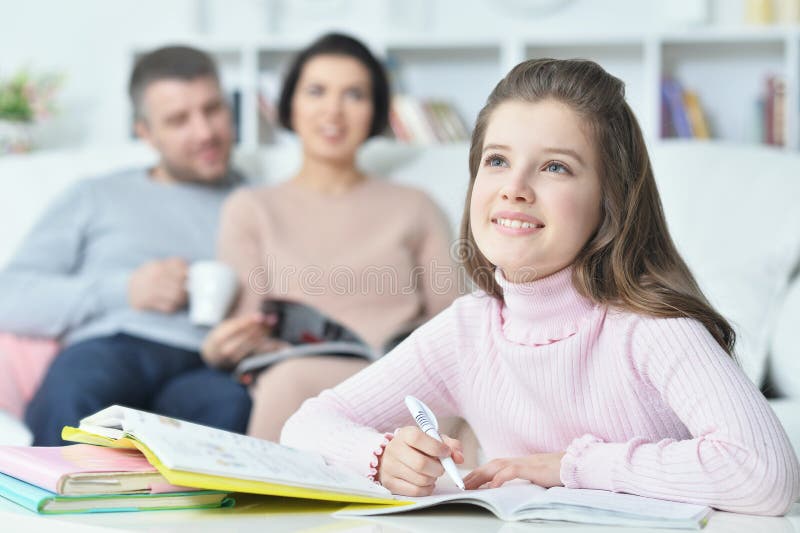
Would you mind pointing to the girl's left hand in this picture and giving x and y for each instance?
(543, 469)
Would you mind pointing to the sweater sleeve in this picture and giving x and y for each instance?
(44, 291)
(440, 281)
(348, 424)
(739, 458)
(239, 247)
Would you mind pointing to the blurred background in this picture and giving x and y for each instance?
(726, 69)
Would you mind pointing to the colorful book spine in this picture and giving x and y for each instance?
(772, 107)
(697, 119)
(672, 94)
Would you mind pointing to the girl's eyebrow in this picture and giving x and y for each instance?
(565, 151)
(496, 147)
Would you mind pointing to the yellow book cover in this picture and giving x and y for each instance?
(197, 456)
(697, 118)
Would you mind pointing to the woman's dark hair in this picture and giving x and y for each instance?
(631, 262)
(340, 45)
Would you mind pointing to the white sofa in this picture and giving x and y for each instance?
(731, 209)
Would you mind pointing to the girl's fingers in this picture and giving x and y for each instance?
(402, 471)
(415, 438)
(454, 444)
(506, 474)
(427, 466)
(482, 474)
(456, 447)
(404, 488)
(419, 462)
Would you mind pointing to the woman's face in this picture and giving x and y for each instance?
(332, 107)
(536, 197)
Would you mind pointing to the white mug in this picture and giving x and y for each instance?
(212, 286)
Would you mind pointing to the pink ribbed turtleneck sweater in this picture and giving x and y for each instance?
(642, 405)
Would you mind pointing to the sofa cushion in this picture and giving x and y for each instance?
(732, 212)
(23, 363)
(785, 356)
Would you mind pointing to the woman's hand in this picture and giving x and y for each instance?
(410, 465)
(543, 469)
(235, 338)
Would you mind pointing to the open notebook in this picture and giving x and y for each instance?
(519, 501)
(192, 455)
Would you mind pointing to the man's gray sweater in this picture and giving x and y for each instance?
(69, 278)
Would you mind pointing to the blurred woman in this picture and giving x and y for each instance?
(372, 255)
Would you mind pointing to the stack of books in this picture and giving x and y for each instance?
(83, 478)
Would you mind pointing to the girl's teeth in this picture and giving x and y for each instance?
(516, 224)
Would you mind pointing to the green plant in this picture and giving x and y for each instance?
(26, 98)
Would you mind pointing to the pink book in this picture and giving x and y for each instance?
(81, 469)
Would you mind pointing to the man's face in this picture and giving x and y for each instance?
(189, 123)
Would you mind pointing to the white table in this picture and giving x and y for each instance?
(275, 515)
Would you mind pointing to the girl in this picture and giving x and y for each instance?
(590, 358)
(359, 249)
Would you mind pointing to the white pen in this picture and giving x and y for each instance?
(427, 422)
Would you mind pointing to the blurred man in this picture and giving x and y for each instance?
(104, 270)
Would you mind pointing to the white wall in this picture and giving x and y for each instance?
(89, 40)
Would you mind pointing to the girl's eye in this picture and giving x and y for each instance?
(494, 160)
(558, 168)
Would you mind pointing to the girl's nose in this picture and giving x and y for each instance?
(517, 190)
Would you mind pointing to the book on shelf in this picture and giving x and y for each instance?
(306, 331)
(82, 469)
(772, 107)
(522, 501)
(43, 501)
(697, 119)
(197, 456)
(234, 98)
(778, 111)
(679, 122)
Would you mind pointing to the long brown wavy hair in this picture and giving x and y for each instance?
(630, 262)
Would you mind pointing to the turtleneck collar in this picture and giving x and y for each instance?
(543, 311)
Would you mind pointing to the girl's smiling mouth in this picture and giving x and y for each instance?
(516, 223)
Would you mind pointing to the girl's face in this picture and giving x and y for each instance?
(536, 198)
(332, 107)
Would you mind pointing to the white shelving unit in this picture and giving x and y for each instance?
(726, 67)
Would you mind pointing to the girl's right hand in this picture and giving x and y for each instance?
(409, 465)
(234, 339)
